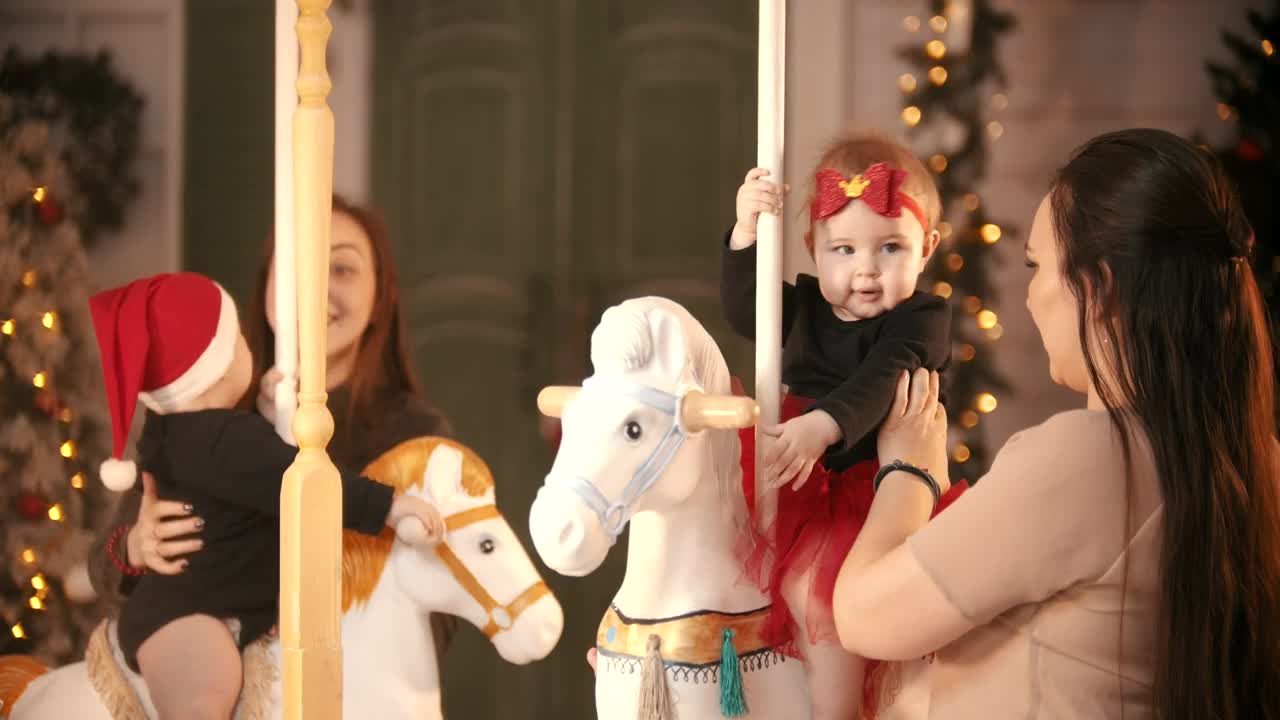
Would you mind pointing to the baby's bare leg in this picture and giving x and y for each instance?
(192, 669)
(835, 676)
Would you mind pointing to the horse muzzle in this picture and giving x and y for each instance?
(566, 534)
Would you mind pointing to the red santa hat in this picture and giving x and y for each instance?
(164, 340)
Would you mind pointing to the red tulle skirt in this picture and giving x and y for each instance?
(813, 531)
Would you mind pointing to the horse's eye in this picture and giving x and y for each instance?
(486, 546)
(633, 430)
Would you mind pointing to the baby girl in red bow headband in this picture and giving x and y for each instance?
(848, 334)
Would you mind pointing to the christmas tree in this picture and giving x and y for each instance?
(949, 95)
(1249, 96)
(53, 430)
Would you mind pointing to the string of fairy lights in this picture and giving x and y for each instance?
(1225, 111)
(43, 382)
(951, 23)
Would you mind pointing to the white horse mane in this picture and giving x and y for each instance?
(630, 326)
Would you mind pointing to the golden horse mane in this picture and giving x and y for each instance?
(401, 467)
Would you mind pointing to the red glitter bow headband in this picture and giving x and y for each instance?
(879, 187)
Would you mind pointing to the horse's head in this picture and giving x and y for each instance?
(632, 434)
(478, 572)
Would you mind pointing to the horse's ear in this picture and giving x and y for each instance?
(443, 474)
(670, 350)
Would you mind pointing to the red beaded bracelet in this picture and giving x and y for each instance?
(121, 565)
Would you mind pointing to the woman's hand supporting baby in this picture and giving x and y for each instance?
(163, 532)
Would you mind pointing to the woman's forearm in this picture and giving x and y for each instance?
(902, 506)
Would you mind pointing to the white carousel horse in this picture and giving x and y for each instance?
(649, 440)
(479, 572)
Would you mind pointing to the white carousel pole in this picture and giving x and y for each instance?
(770, 114)
(285, 268)
(311, 498)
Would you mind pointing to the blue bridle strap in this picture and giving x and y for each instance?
(615, 515)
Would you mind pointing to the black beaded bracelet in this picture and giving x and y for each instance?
(910, 469)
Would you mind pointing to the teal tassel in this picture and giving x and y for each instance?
(733, 698)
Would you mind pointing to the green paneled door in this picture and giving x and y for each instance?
(540, 160)
(229, 144)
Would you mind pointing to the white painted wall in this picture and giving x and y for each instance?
(146, 41)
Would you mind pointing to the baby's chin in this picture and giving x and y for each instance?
(858, 311)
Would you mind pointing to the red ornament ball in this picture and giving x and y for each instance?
(31, 506)
(47, 402)
(50, 211)
(1249, 151)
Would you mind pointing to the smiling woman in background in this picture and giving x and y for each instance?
(374, 396)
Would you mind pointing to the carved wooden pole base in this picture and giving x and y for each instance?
(311, 499)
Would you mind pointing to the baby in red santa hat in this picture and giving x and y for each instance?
(173, 341)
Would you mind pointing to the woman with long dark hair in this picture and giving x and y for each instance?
(374, 396)
(370, 378)
(1117, 561)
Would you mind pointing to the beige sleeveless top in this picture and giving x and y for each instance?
(1035, 554)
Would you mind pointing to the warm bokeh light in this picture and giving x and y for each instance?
(986, 402)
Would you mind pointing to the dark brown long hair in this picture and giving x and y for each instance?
(382, 361)
(1154, 245)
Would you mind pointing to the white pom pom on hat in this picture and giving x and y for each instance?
(118, 475)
